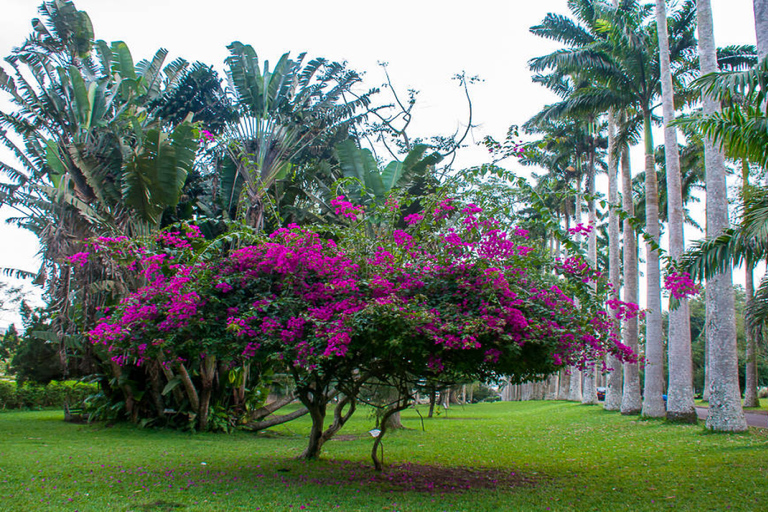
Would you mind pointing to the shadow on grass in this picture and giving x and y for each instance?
(161, 506)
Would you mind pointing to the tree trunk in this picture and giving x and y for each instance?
(705, 391)
(130, 402)
(340, 418)
(589, 396)
(432, 400)
(563, 385)
(725, 411)
(680, 404)
(575, 392)
(316, 402)
(750, 384)
(315, 442)
(207, 372)
(615, 375)
(189, 387)
(631, 401)
(378, 464)
(178, 396)
(267, 409)
(276, 420)
(750, 372)
(653, 389)
(393, 422)
(156, 388)
(761, 27)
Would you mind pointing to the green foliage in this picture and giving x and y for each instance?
(32, 395)
(577, 458)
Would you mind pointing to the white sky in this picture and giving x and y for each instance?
(425, 42)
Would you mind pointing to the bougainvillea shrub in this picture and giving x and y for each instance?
(452, 295)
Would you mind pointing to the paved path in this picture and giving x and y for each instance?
(754, 419)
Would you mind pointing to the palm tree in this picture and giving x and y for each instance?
(615, 377)
(623, 67)
(680, 404)
(725, 412)
(737, 130)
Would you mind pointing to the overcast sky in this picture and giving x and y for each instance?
(425, 42)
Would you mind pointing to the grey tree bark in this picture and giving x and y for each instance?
(725, 411)
(563, 385)
(653, 389)
(575, 392)
(680, 404)
(750, 393)
(631, 402)
(761, 27)
(615, 375)
(750, 381)
(589, 394)
(750, 384)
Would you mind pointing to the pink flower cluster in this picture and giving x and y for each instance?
(414, 218)
(624, 310)
(576, 266)
(680, 285)
(80, 259)
(581, 229)
(443, 209)
(346, 209)
(471, 299)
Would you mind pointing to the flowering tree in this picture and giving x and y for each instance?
(452, 296)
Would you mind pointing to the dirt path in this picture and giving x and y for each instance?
(754, 419)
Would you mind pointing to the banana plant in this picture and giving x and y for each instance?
(370, 182)
(286, 115)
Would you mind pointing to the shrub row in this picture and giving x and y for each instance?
(35, 396)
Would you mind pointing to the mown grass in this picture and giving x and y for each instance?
(581, 458)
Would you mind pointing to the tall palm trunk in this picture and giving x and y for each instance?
(725, 412)
(613, 391)
(615, 375)
(653, 389)
(761, 31)
(761, 27)
(750, 384)
(631, 401)
(680, 405)
(575, 391)
(589, 395)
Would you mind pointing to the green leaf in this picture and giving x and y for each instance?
(82, 105)
(171, 385)
(391, 175)
(122, 62)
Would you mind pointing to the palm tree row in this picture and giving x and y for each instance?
(619, 60)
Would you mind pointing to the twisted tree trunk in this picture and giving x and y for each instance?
(189, 387)
(207, 373)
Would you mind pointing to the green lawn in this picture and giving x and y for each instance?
(564, 457)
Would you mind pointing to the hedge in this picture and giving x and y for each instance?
(35, 396)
